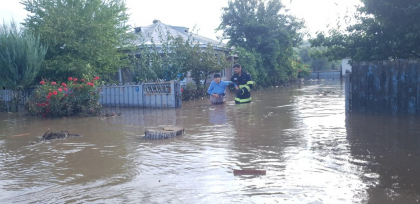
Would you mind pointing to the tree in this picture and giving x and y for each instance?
(154, 63)
(199, 62)
(21, 56)
(316, 62)
(175, 58)
(85, 37)
(385, 29)
(261, 28)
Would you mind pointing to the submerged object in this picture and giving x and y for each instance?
(163, 133)
(220, 100)
(248, 172)
(51, 135)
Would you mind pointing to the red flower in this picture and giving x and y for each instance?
(96, 78)
(65, 89)
(44, 104)
(54, 92)
(82, 80)
(39, 104)
(64, 84)
(182, 89)
(60, 89)
(48, 97)
(53, 83)
(75, 79)
(42, 82)
(70, 78)
(74, 83)
(47, 102)
(49, 93)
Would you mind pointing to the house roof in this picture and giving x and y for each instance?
(159, 30)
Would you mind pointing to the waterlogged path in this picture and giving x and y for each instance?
(312, 151)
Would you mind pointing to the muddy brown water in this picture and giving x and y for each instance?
(311, 150)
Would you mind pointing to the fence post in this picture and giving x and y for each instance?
(347, 92)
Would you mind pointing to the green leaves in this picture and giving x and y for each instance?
(263, 31)
(175, 57)
(386, 29)
(21, 56)
(84, 36)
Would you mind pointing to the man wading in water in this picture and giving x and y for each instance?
(244, 84)
(217, 89)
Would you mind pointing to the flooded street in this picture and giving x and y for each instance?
(312, 151)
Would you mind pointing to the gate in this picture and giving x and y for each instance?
(324, 75)
(147, 95)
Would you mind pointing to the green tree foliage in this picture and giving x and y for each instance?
(251, 61)
(310, 56)
(200, 62)
(85, 37)
(21, 56)
(176, 56)
(154, 63)
(263, 31)
(385, 29)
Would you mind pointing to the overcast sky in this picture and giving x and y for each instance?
(205, 14)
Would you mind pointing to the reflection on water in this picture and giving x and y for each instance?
(312, 151)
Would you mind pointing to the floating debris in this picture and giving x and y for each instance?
(163, 133)
(49, 135)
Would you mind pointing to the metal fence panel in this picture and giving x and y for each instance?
(385, 87)
(14, 100)
(148, 95)
(326, 75)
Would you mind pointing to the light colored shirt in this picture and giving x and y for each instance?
(218, 88)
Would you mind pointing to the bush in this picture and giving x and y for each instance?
(76, 97)
(191, 92)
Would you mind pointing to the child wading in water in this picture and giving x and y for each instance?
(217, 89)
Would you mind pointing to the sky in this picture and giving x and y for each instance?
(205, 15)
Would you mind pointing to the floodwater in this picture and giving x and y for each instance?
(311, 150)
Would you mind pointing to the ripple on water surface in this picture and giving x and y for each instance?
(311, 150)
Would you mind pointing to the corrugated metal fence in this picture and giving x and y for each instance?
(146, 95)
(14, 100)
(384, 87)
(152, 95)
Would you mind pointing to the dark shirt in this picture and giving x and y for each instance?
(243, 82)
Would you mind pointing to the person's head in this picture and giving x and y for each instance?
(217, 78)
(237, 68)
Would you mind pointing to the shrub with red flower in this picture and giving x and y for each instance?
(74, 97)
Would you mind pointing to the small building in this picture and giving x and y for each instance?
(154, 33)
